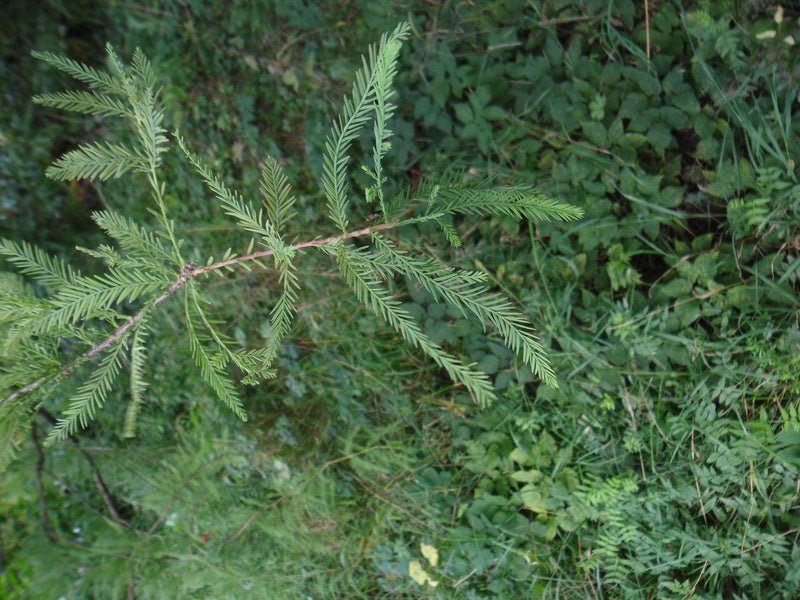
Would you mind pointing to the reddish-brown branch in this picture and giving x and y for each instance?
(309, 244)
(97, 477)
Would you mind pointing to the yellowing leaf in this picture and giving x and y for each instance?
(419, 575)
(430, 553)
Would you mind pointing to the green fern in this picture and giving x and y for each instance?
(375, 74)
(468, 292)
(138, 385)
(90, 397)
(34, 262)
(364, 273)
(276, 192)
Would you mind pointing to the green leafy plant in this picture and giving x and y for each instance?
(71, 319)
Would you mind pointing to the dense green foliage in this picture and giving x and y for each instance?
(664, 465)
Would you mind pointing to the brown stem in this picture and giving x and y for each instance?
(187, 273)
(97, 477)
(309, 244)
(107, 499)
(47, 526)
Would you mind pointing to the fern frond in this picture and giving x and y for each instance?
(514, 201)
(468, 292)
(233, 204)
(36, 263)
(90, 397)
(96, 161)
(96, 79)
(89, 103)
(213, 374)
(147, 123)
(138, 383)
(254, 364)
(384, 110)
(355, 114)
(142, 69)
(277, 194)
(284, 309)
(90, 297)
(132, 238)
(360, 273)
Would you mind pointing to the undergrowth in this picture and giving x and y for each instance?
(666, 463)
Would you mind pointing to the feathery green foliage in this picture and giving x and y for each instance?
(234, 205)
(212, 371)
(89, 103)
(468, 292)
(33, 262)
(134, 240)
(363, 272)
(276, 192)
(104, 83)
(90, 397)
(373, 79)
(520, 202)
(138, 383)
(99, 316)
(97, 161)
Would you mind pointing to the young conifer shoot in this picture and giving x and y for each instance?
(105, 318)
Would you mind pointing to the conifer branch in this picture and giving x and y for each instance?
(143, 265)
(116, 336)
(187, 273)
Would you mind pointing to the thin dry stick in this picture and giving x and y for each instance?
(47, 526)
(97, 477)
(187, 273)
